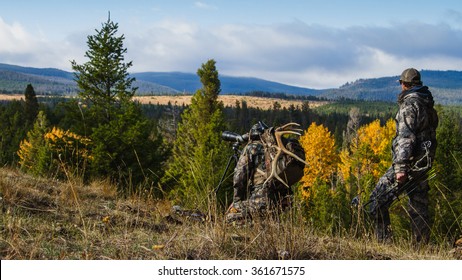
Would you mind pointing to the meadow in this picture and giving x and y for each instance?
(185, 100)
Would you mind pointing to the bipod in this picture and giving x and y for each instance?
(234, 157)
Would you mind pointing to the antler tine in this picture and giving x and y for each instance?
(295, 156)
(278, 135)
(273, 170)
(286, 126)
(289, 128)
(288, 132)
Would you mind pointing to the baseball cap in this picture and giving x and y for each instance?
(410, 75)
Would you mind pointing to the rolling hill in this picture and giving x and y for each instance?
(188, 82)
(445, 85)
(14, 79)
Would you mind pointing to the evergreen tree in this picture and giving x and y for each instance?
(446, 189)
(199, 154)
(449, 151)
(31, 106)
(34, 152)
(13, 127)
(104, 80)
(126, 146)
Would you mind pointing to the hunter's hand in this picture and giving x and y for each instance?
(401, 177)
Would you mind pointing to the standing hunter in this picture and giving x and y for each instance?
(413, 150)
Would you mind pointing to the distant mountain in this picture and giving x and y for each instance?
(188, 82)
(14, 79)
(445, 85)
(53, 81)
(48, 72)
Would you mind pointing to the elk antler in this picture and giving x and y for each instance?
(290, 128)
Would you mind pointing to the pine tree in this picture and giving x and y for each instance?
(14, 128)
(104, 80)
(125, 145)
(446, 189)
(199, 154)
(449, 151)
(31, 106)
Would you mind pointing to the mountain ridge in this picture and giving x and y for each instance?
(445, 85)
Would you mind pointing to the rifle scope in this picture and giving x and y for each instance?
(234, 137)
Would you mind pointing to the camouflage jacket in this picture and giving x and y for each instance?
(250, 170)
(416, 122)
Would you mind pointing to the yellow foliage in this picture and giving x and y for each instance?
(376, 136)
(320, 154)
(369, 152)
(70, 146)
(24, 150)
(62, 141)
(346, 164)
(62, 146)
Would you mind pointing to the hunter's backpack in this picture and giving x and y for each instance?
(288, 168)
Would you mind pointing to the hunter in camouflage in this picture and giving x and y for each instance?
(251, 195)
(413, 150)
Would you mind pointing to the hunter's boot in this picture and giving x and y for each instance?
(418, 212)
(383, 226)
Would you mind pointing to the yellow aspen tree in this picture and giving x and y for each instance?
(369, 153)
(70, 147)
(320, 154)
(375, 141)
(44, 150)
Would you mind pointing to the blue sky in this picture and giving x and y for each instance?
(316, 44)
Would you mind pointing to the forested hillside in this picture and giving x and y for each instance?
(445, 85)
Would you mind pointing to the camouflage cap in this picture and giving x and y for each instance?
(410, 75)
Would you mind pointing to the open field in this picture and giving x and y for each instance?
(9, 97)
(228, 100)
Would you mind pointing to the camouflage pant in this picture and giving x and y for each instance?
(261, 201)
(381, 199)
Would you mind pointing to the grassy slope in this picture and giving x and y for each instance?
(48, 219)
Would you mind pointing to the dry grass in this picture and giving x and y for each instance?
(47, 219)
(228, 100)
(9, 97)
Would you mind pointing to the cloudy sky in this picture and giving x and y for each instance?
(315, 44)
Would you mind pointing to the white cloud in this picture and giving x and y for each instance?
(294, 53)
(13, 37)
(28, 49)
(203, 5)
